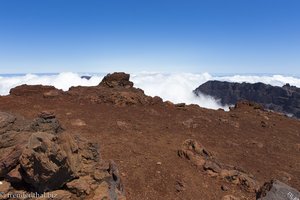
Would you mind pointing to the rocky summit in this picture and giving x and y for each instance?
(50, 143)
(284, 99)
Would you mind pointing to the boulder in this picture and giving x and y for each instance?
(50, 161)
(277, 190)
(46, 122)
(5, 120)
(117, 79)
(9, 161)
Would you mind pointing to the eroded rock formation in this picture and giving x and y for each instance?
(199, 156)
(40, 158)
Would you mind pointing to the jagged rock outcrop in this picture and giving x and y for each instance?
(39, 158)
(46, 121)
(277, 190)
(49, 161)
(117, 79)
(284, 99)
(199, 156)
(114, 89)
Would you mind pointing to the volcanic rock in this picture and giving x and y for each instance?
(6, 119)
(154, 132)
(31, 90)
(280, 99)
(114, 89)
(199, 156)
(82, 186)
(14, 176)
(277, 190)
(46, 121)
(117, 79)
(9, 161)
(50, 161)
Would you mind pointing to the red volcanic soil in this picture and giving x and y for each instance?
(143, 135)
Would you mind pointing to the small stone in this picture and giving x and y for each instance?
(46, 114)
(224, 188)
(158, 172)
(267, 118)
(158, 163)
(180, 186)
(123, 125)
(123, 174)
(264, 124)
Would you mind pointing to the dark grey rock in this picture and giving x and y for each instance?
(276, 190)
(46, 122)
(284, 99)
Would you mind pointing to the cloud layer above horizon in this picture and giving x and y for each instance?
(177, 87)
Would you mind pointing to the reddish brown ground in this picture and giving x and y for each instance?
(137, 136)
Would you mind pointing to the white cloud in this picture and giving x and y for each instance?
(176, 87)
(61, 81)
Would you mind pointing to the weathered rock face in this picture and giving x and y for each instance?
(49, 161)
(277, 190)
(114, 89)
(46, 121)
(284, 99)
(40, 157)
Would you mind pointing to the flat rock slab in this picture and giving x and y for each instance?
(276, 190)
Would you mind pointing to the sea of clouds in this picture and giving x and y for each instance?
(175, 87)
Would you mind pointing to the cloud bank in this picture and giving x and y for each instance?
(176, 87)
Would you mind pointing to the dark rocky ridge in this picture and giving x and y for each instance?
(284, 99)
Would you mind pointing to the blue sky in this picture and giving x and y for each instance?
(216, 36)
